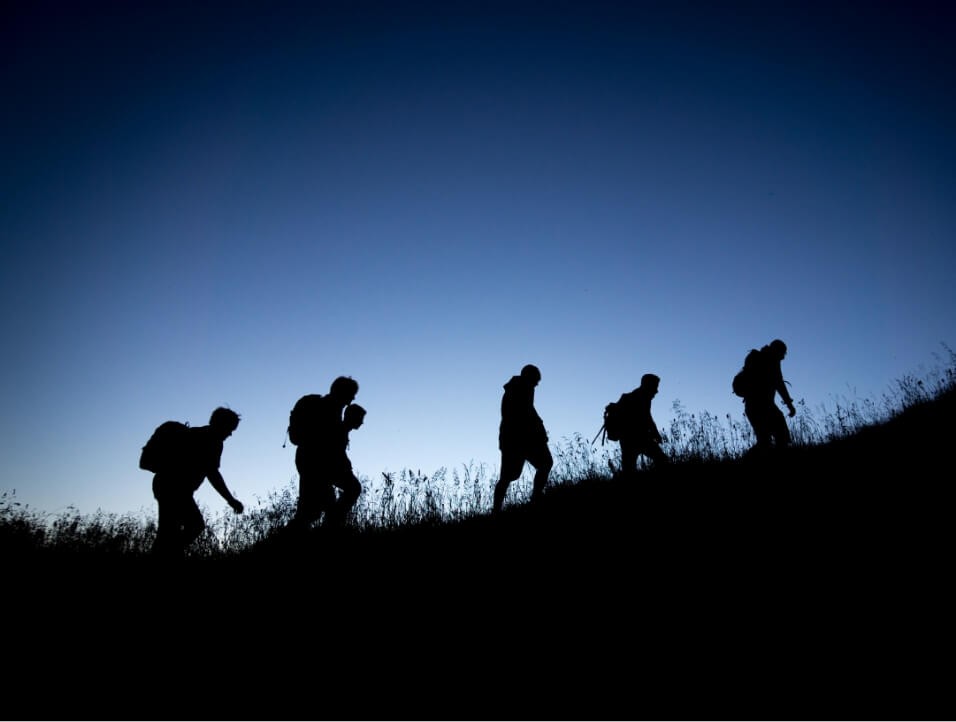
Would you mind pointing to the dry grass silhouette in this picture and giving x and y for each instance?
(701, 444)
(804, 584)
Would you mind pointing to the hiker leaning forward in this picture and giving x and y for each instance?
(639, 433)
(180, 520)
(766, 418)
(522, 436)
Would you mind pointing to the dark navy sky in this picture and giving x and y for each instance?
(235, 204)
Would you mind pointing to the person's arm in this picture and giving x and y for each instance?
(531, 425)
(219, 484)
(535, 422)
(781, 388)
(652, 431)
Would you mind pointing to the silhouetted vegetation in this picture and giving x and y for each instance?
(808, 583)
(447, 497)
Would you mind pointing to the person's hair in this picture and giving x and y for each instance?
(224, 418)
(344, 386)
(531, 372)
(778, 346)
(353, 413)
(648, 380)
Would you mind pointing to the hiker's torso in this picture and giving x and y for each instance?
(519, 419)
(327, 431)
(637, 414)
(202, 455)
(767, 379)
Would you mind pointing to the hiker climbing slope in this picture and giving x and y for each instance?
(758, 383)
(635, 427)
(181, 458)
(522, 436)
(316, 428)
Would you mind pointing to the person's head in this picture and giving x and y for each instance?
(224, 421)
(650, 382)
(343, 390)
(353, 417)
(531, 374)
(778, 348)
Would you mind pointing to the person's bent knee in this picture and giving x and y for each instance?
(511, 467)
(544, 463)
(506, 479)
(351, 493)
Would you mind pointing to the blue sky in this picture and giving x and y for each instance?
(234, 205)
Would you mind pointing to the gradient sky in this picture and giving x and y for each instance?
(234, 204)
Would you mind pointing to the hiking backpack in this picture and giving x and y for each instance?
(166, 449)
(615, 420)
(305, 418)
(744, 380)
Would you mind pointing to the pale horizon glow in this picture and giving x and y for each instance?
(233, 207)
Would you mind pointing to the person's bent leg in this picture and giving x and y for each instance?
(758, 420)
(314, 491)
(511, 466)
(193, 523)
(169, 523)
(653, 451)
(167, 530)
(351, 490)
(780, 430)
(310, 504)
(501, 490)
(628, 456)
(542, 462)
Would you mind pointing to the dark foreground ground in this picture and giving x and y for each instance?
(815, 584)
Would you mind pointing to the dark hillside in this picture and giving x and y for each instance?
(810, 584)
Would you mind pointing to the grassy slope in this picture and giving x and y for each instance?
(813, 584)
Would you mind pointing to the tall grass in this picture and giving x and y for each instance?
(25, 529)
(409, 498)
(706, 437)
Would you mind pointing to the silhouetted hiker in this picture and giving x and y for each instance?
(316, 427)
(758, 383)
(181, 458)
(321, 497)
(629, 421)
(522, 436)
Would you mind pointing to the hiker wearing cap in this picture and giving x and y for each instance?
(522, 436)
